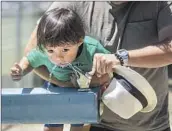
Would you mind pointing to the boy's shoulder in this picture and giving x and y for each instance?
(91, 41)
(93, 46)
(35, 52)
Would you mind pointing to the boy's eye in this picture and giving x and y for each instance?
(50, 51)
(65, 50)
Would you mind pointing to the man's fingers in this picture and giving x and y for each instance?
(93, 70)
(109, 68)
(98, 65)
(102, 64)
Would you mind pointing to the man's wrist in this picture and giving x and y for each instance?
(121, 62)
(123, 56)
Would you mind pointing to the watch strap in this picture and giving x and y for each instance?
(120, 59)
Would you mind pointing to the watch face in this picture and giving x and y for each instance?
(122, 56)
(123, 52)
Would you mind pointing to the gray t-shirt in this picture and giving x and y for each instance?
(130, 26)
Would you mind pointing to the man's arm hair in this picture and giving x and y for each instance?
(152, 56)
(32, 43)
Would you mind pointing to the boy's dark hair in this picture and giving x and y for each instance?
(59, 26)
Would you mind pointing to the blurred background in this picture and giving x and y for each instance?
(18, 22)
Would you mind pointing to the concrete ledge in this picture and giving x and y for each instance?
(56, 105)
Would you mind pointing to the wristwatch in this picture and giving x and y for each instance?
(122, 56)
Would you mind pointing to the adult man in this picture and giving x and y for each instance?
(144, 30)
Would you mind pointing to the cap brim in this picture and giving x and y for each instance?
(141, 84)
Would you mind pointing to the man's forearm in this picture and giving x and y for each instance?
(32, 43)
(151, 56)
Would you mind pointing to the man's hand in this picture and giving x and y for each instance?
(103, 63)
(102, 81)
(16, 72)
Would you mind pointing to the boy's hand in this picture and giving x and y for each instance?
(16, 72)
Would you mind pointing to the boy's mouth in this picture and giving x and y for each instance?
(64, 64)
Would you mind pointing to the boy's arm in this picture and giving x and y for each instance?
(25, 66)
(20, 69)
(32, 43)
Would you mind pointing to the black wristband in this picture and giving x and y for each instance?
(120, 59)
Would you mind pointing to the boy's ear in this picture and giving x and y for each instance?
(80, 41)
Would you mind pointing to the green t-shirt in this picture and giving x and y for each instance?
(84, 61)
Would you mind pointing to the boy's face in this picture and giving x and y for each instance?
(63, 54)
